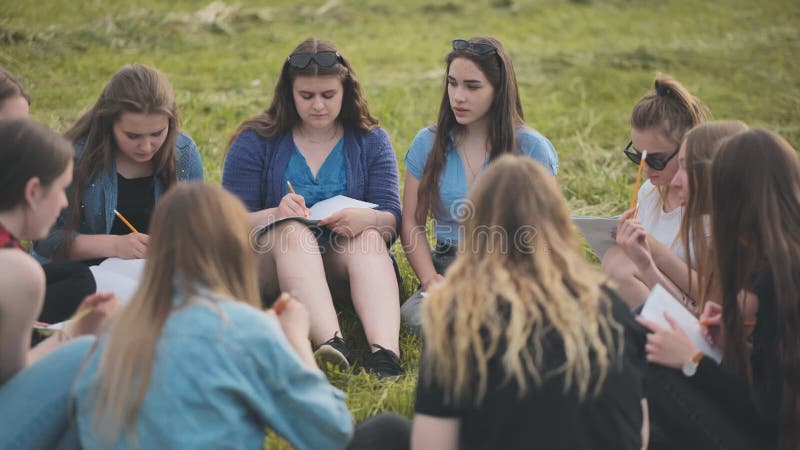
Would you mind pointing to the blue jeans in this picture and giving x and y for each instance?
(34, 403)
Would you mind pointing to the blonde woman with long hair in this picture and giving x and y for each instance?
(192, 362)
(524, 346)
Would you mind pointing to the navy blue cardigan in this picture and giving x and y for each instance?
(255, 166)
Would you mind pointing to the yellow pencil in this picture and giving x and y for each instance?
(638, 180)
(125, 221)
(291, 189)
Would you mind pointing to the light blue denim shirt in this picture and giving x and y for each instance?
(222, 372)
(100, 199)
(453, 180)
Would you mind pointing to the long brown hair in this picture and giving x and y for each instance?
(136, 89)
(190, 246)
(670, 110)
(520, 278)
(505, 112)
(757, 233)
(702, 143)
(282, 116)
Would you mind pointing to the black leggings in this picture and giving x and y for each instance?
(385, 431)
(684, 417)
(68, 283)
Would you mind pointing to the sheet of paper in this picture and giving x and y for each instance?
(53, 327)
(660, 301)
(120, 276)
(597, 231)
(325, 208)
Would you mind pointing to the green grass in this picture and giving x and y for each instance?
(581, 66)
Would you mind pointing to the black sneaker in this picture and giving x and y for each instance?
(334, 351)
(383, 363)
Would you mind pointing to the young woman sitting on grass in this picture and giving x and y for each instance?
(751, 400)
(692, 187)
(67, 282)
(129, 150)
(192, 361)
(659, 121)
(319, 137)
(480, 118)
(524, 345)
(35, 170)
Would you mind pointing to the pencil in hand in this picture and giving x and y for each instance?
(125, 221)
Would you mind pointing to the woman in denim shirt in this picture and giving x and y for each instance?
(480, 118)
(192, 361)
(129, 150)
(319, 137)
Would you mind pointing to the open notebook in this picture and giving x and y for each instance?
(321, 210)
(660, 301)
(120, 276)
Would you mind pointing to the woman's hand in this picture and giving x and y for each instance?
(131, 246)
(292, 205)
(632, 237)
(669, 347)
(351, 222)
(102, 305)
(711, 323)
(293, 317)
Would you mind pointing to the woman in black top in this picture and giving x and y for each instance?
(756, 391)
(524, 347)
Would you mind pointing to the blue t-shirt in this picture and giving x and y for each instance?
(331, 179)
(453, 180)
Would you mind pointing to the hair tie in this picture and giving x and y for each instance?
(662, 91)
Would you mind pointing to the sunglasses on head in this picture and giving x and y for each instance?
(477, 47)
(655, 163)
(322, 59)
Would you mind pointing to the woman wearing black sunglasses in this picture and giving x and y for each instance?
(315, 141)
(658, 123)
(480, 118)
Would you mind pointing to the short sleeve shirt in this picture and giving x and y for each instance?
(453, 180)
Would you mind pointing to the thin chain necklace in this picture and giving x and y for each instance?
(469, 165)
(326, 140)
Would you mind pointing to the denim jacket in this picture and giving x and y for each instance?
(223, 371)
(100, 199)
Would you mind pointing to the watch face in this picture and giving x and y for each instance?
(689, 368)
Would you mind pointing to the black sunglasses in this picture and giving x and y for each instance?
(655, 163)
(477, 47)
(323, 59)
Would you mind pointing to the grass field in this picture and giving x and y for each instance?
(581, 66)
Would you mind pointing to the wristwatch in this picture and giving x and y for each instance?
(689, 368)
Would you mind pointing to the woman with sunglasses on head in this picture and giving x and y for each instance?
(480, 118)
(319, 138)
(658, 123)
(752, 399)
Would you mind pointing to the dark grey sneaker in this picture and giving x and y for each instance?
(384, 363)
(335, 352)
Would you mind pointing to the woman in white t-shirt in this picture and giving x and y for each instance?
(688, 276)
(658, 123)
